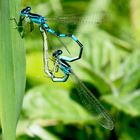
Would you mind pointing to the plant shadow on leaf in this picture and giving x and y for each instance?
(74, 91)
(65, 131)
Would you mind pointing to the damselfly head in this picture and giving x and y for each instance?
(25, 10)
(57, 53)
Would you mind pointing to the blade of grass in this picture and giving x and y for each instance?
(12, 69)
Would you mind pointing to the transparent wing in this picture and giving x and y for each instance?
(54, 40)
(93, 105)
(63, 44)
(78, 18)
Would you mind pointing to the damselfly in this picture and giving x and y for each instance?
(42, 22)
(87, 98)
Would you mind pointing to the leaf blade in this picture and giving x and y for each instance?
(12, 71)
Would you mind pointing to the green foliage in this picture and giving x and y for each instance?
(12, 70)
(54, 110)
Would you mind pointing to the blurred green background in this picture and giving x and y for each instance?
(109, 31)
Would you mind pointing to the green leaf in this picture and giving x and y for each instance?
(34, 130)
(12, 70)
(130, 82)
(96, 78)
(55, 105)
(128, 103)
(130, 70)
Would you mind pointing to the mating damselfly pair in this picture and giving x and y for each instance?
(62, 63)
